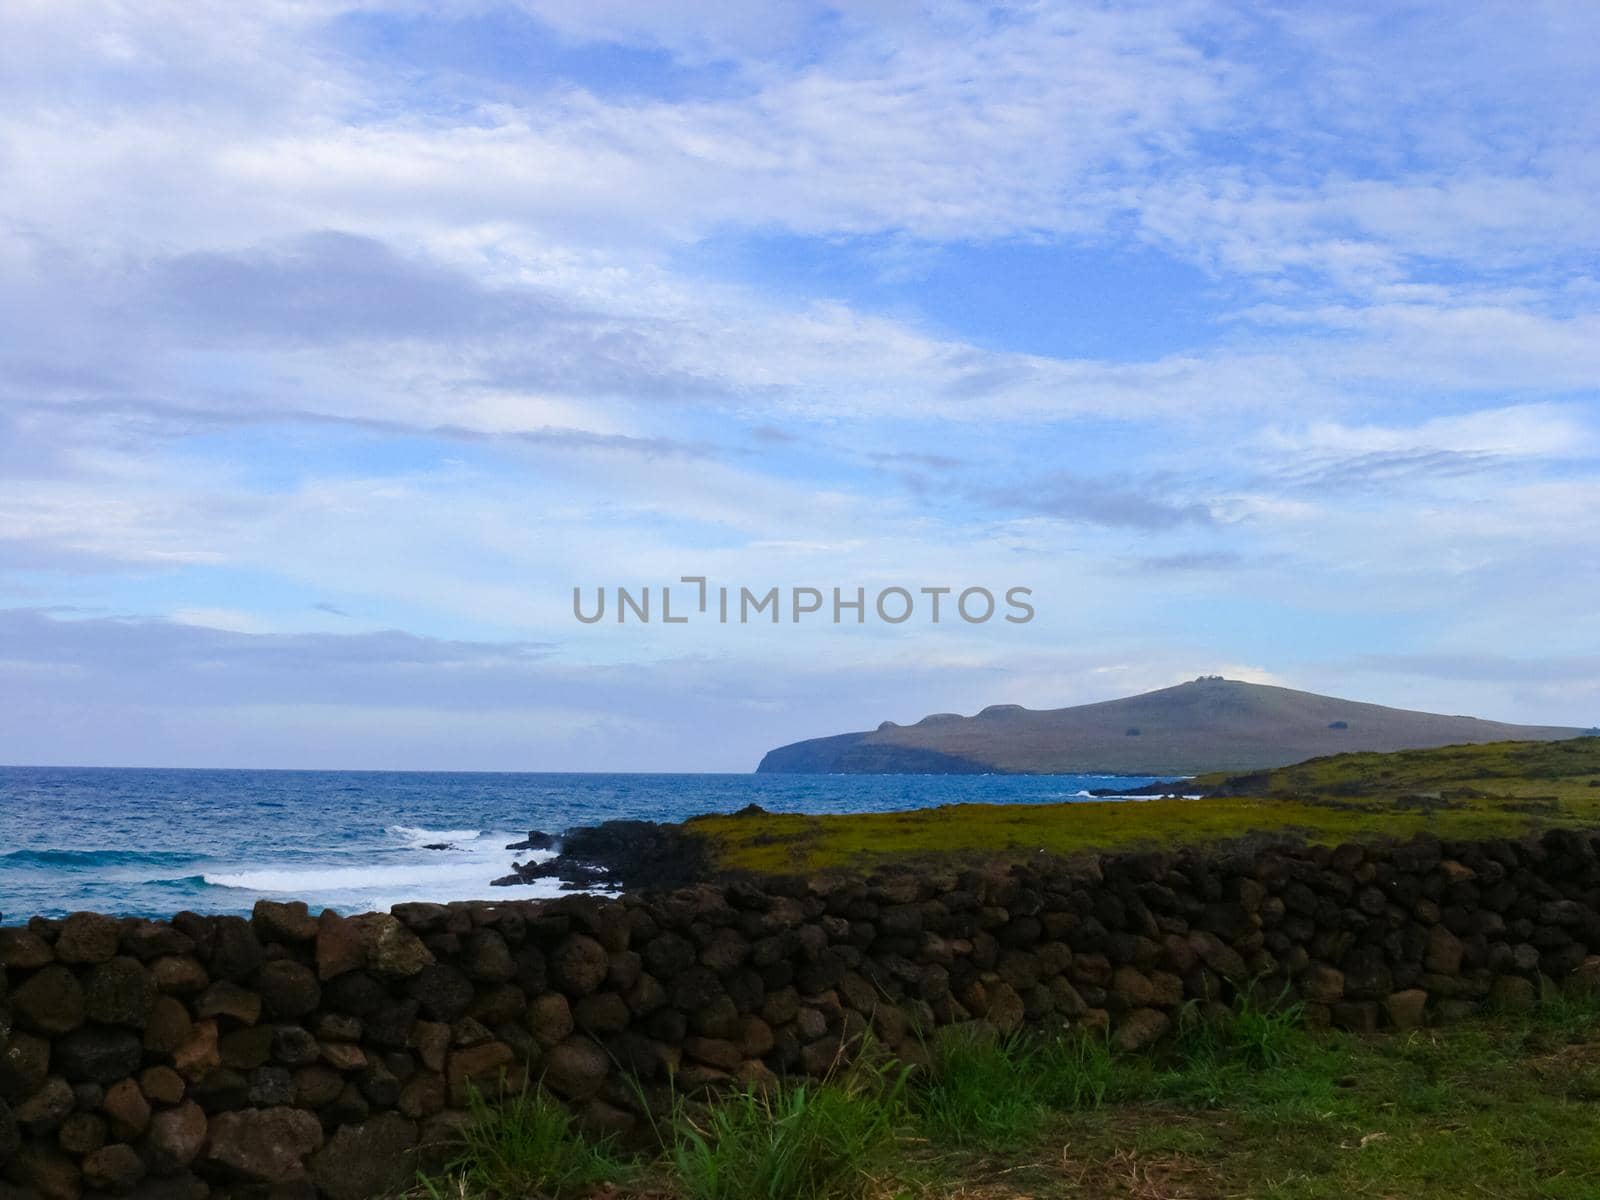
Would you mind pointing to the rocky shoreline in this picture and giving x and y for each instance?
(616, 856)
(612, 856)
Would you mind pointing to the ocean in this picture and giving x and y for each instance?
(154, 842)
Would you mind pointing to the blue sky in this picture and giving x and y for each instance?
(339, 341)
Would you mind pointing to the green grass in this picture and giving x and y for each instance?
(525, 1145)
(1503, 789)
(981, 1090)
(1248, 1103)
(805, 1141)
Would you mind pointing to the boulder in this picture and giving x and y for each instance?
(424, 1094)
(1132, 987)
(270, 1087)
(377, 942)
(579, 965)
(342, 1056)
(245, 1049)
(1006, 1010)
(485, 1068)
(294, 1046)
(199, 1054)
(45, 1173)
(576, 1068)
(50, 1002)
(146, 940)
(88, 938)
(713, 1052)
(230, 1001)
(1141, 1028)
(82, 1133)
(316, 1086)
(126, 1109)
(236, 952)
(23, 950)
(392, 949)
(161, 1085)
(179, 975)
(442, 992)
(96, 1054)
(42, 1113)
(431, 1041)
(1322, 984)
(601, 1013)
(1219, 956)
(283, 921)
(120, 992)
(24, 1063)
(288, 989)
(115, 1168)
(377, 1157)
(175, 1138)
(1443, 955)
(168, 1026)
(263, 1145)
(486, 957)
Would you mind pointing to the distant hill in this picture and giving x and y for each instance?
(1209, 724)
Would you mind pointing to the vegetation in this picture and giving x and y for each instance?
(1244, 1103)
(525, 1145)
(982, 1092)
(800, 1142)
(1252, 1104)
(1503, 789)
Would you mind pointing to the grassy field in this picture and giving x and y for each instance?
(1504, 789)
(1254, 1107)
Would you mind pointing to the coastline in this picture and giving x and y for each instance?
(104, 839)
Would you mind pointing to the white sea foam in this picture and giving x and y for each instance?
(374, 881)
(415, 835)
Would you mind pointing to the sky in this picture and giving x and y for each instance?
(340, 342)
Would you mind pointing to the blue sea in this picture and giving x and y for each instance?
(153, 842)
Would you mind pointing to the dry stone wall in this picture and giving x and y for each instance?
(287, 1055)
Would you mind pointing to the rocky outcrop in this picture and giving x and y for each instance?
(636, 854)
(287, 1054)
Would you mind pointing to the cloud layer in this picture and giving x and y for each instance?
(324, 319)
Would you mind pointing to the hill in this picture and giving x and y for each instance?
(1208, 724)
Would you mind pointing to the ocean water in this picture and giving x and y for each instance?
(154, 842)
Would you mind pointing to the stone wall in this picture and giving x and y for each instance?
(287, 1054)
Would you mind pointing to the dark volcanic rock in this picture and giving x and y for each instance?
(536, 840)
(97, 1055)
(630, 854)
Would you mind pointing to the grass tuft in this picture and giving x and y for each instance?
(525, 1145)
(1079, 1071)
(980, 1090)
(801, 1141)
